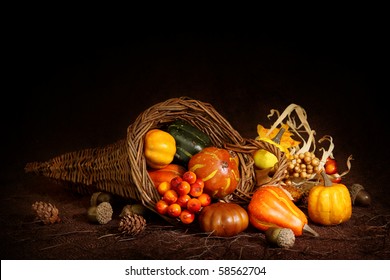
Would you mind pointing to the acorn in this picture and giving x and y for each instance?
(359, 195)
(132, 209)
(281, 237)
(99, 197)
(101, 213)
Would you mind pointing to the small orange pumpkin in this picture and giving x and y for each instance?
(271, 207)
(223, 219)
(329, 204)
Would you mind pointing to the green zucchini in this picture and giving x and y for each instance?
(189, 140)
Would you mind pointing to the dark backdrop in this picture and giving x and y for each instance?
(72, 88)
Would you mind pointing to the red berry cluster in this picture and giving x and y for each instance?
(182, 197)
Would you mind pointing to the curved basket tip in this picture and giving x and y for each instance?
(32, 167)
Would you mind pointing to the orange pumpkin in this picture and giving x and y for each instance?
(223, 219)
(218, 169)
(166, 174)
(271, 207)
(329, 204)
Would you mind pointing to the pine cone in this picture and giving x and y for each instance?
(132, 224)
(46, 212)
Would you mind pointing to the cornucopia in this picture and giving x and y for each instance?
(122, 169)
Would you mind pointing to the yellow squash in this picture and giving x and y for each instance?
(159, 148)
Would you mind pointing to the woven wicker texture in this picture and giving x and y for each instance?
(120, 168)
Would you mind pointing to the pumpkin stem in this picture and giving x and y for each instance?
(278, 136)
(327, 181)
(310, 230)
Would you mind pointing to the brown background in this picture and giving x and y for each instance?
(72, 90)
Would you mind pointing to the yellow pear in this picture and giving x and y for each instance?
(264, 159)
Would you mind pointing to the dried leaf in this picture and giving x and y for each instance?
(306, 135)
(349, 165)
(286, 140)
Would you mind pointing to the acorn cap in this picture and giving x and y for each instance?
(104, 212)
(359, 195)
(282, 237)
(133, 209)
(99, 197)
(354, 190)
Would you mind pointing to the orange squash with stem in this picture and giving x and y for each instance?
(270, 206)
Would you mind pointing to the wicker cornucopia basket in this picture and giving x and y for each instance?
(121, 169)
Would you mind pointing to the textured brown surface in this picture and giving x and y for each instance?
(74, 92)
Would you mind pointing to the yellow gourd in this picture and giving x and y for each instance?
(159, 148)
(329, 204)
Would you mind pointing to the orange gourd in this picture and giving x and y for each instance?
(270, 206)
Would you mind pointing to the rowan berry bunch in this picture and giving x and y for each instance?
(182, 197)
